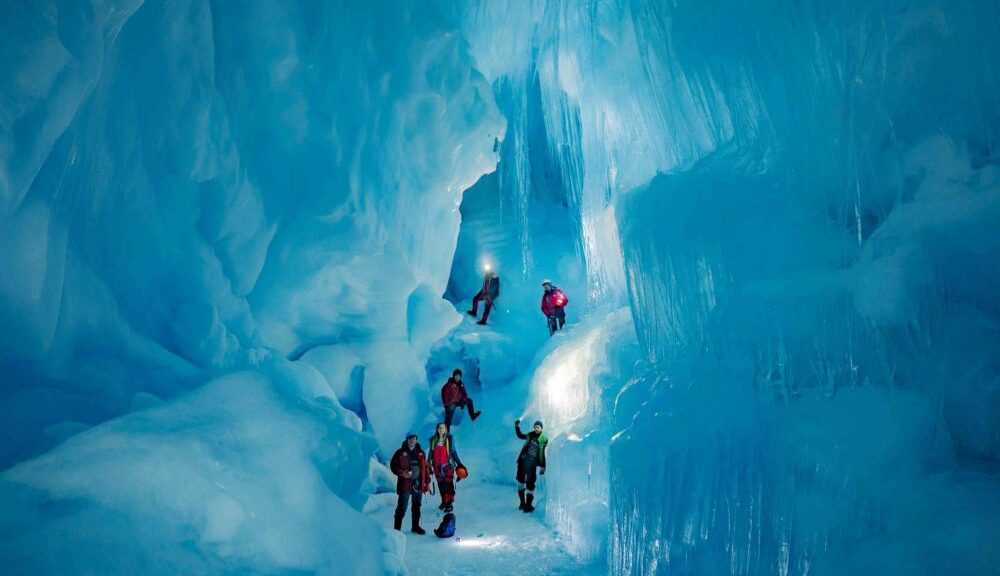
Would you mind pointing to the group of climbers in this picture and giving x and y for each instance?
(413, 476)
(414, 469)
(444, 463)
(554, 301)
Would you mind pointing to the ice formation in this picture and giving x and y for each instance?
(238, 240)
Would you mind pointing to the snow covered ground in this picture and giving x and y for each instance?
(491, 531)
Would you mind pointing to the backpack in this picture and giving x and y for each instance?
(447, 527)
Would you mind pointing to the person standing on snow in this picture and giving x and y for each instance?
(489, 292)
(532, 456)
(453, 395)
(553, 304)
(445, 465)
(409, 464)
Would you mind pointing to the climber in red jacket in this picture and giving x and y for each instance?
(409, 464)
(454, 395)
(553, 304)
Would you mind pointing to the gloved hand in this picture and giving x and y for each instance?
(517, 422)
(542, 471)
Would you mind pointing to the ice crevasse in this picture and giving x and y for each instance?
(226, 229)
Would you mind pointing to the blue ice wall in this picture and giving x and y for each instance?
(217, 220)
(185, 187)
(819, 297)
(804, 196)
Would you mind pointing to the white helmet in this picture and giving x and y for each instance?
(546, 281)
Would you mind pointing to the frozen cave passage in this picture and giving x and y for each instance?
(238, 242)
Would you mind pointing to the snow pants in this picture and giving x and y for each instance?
(449, 411)
(526, 473)
(401, 504)
(447, 488)
(557, 320)
(475, 305)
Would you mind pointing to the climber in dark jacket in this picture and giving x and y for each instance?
(532, 456)
(554, 302)
(409, 464)
(454, 395)
(489, 292)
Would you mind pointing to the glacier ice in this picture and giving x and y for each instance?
(198, 189)
(238, 239)
(192, 486)
(798, 201)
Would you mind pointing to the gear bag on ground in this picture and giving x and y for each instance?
(447, 527)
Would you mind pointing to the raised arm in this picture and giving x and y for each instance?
(517, 430)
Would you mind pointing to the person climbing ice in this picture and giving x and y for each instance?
(532, 456)
(445, 465)
(489, 292)
(409, 464)
(453, 395)
(553, 303)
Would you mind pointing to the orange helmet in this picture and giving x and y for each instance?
(462, 473)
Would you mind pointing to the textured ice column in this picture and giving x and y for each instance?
(616, 107)
(813, 294)
(572, 391)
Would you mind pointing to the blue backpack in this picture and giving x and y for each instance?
(447, 527)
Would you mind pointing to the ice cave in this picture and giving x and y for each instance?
(741, 262)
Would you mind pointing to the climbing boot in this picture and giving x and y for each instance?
(398, 523)
(415, 527)
(470, 312)
(476, 414)
(520, 494)
(527, 503)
